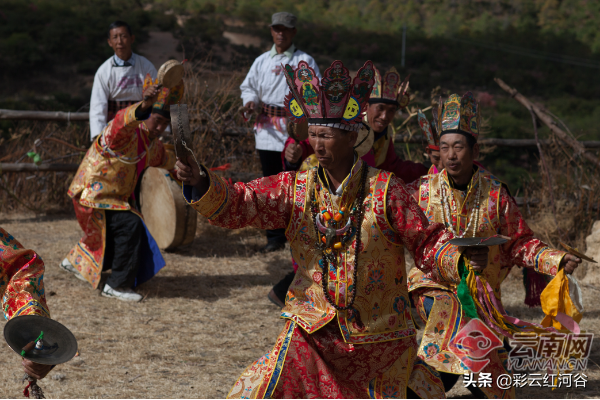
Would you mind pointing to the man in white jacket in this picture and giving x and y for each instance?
(119, 81)
(264, 90)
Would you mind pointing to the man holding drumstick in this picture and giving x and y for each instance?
(263, 91)
(115, 236)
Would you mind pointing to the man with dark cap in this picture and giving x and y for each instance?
(263, 91)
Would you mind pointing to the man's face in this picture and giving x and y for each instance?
(120, 40)
(456, 156)
(283, 36)
(332, 146)
(156, 125)
(380, 115)
(435, 158)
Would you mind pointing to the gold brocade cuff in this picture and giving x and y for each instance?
(33, 307)
(211, 203)
(547, 261)
(446, 263)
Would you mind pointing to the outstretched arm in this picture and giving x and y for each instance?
(265, 203)
(524, 249)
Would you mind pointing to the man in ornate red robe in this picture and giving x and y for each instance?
(389, 95)
(115, 236)
(349, 332)
(471, 202)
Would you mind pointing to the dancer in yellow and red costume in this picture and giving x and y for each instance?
(22, 288)
(389, 95)
(471, 202)
(115, 236)
(349, 332)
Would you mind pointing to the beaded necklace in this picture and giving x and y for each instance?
(326, 246)
(474, 212)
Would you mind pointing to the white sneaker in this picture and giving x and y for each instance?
(125, 294)
(66, 265)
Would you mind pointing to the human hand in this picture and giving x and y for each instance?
(293, 152)
(569, 263)
(478, 257)
(150, 96)
(248, 108)
(188, 173)
(35, 370)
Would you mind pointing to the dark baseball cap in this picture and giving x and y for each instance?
(284, 18)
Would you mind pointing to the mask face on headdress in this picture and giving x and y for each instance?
(429, 130)
(166, 97)
(390, 89)
(336, 98)
(459, 115)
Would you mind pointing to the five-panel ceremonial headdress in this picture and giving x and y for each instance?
(429, 130)
(389, 89)
(166, 97)
(337, 101)
(459, 115)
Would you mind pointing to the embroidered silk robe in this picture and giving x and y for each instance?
(392, 220)
(499, 214)
(21, 279)
(106, 180)
(109, 172)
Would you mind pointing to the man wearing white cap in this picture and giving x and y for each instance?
(263, 91)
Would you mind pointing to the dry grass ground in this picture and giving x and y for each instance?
(204, 318)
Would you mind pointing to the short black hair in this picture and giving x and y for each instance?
(470, 141)
(119, 24)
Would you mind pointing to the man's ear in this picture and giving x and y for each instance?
(475, 151)
(132, 38)
(353, 135)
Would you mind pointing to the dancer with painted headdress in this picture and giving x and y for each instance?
(115, 236)
(390, 94)
(471, 202)
(429, 130)
(349, 333)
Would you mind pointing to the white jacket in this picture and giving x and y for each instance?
(119, 84)
(265, 83)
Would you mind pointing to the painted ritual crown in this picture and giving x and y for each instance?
(166, 97)
(390, 89)
(428, 129)
(337, 101)
(459, 115)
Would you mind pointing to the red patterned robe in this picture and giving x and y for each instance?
(499, 215)
(106, 180)
(322, 352)
(21, 279)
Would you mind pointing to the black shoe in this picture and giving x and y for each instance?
(272, 246)
(275, 300)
